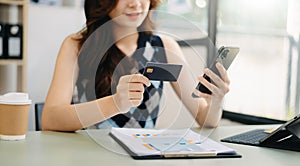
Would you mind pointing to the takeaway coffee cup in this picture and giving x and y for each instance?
(14, 109)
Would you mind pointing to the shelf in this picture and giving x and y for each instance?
(21, 64)
(4, 62)
(13, 2)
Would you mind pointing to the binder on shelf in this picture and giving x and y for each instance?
(1, 40)
(13, 41)
(48, 2)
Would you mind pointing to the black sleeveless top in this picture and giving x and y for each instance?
(149, 49)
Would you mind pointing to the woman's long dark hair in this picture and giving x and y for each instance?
(99, 56)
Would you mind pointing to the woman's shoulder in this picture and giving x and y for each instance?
(73, 39)
(168, 41)
(173, 50)
(72, 43)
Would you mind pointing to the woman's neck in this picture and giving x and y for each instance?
(126, 39)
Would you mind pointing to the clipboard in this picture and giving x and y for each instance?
(126, 143)
(286, 136)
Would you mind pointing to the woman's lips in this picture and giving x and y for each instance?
(133, 15)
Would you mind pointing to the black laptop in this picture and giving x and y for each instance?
(286, 136)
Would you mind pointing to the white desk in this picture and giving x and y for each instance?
(72, 149)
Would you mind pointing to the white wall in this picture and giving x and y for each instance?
(48, 26)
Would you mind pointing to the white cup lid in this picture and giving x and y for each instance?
(15, 98)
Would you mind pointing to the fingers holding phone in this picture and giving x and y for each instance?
(219, 84)
(220, 80)
(223, 73)
(213, 83)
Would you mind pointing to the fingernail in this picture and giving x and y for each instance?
(218, 64)
(201, 78)
(207, 71)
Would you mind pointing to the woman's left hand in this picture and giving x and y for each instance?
(220, 85)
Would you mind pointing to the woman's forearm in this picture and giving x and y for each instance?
(209, 114)
(77, 116)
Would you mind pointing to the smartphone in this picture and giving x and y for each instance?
(225, 56)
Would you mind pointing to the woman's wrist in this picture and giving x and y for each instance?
(116, 101)
(108, 106)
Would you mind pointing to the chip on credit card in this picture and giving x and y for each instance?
(162, 71)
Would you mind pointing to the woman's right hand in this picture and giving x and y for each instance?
(130, 91)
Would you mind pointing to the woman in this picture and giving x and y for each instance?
(104, 63)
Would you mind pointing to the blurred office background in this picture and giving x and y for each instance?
(264, 77)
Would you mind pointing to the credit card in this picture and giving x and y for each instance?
(162, 71)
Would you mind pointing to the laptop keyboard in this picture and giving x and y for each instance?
(248, 138)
